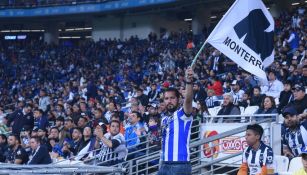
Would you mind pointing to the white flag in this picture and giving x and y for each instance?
(246, 35)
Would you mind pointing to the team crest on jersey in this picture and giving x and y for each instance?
(28, 117)
(254, 170)
(18, 152)
(269, 159)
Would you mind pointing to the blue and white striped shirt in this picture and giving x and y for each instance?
(256, 159)
(297, 139)
(176, 130)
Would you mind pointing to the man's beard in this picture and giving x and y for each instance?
(11, 146)
(171, 109)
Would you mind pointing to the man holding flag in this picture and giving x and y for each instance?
(245, 35)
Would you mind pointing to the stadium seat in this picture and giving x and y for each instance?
(280, 118)
(242, 109)
(250, 110)
(277, 101)
(281, 163)
(242, 112)
(295, 164)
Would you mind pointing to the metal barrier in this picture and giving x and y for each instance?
(57, 169)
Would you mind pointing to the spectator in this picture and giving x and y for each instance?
(3, 147)
(245, 100)
(300, 98)
(87, 144)
(25, 136)
(216, 85)
(274, 87)
(211, 100)
(142, 97)
(293, 139)
(285, 96)
(40, 154)
(112, 144)
(111, 108)
(199, 93)
(42, 134)
(293, 39)
(303, 170)
(16, 154)
(44, 101)
(152, 111)
(177, 114)
(72, 146)
(303, 78)
(21, 118)
(153, 93)
(256, 98)
(268, 106)
(236, 92)
(82, 122)
(40, 120)
(228, 108)
(133, 131)
(154, 134)
(98, 118)
(263, 164)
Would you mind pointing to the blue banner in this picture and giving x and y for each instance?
(77, 9)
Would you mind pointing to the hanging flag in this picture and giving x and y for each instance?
(246, 35)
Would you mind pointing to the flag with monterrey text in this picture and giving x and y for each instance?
(246, 35)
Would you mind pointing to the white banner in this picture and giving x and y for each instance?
(246, 35)
(228, 145)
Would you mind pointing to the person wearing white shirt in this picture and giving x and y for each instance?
(236, 92)
(274, 86)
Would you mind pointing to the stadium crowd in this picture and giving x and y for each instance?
(63, 101)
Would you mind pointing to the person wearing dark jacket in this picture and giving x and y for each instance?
(3, 147)
(228, 108)
(285, 96)
(39, 154)
(300, 98)
(256, 98)
(268, 106)
(199, 93)
(142, 97)
(21, 118)
(40, 121)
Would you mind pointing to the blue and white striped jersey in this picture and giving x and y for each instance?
(256, 159)
(296, 139)
(176, 130)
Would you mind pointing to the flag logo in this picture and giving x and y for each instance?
(256, 38)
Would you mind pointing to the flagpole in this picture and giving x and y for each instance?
(198, 53)
(202, 47)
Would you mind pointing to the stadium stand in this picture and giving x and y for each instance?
(68, 95)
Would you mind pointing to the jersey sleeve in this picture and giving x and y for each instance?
(244, 160)
(304, 124)
(269, 162)
(182, 115)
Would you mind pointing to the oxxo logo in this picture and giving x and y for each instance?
(233, 144)
(253, 27)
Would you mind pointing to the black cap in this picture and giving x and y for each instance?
(289, 111)
(60, 118)
(42, 129)
(35, 129)
(298, 87)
